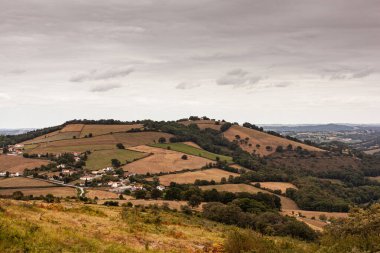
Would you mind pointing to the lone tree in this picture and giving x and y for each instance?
(194, 201)
(115, 163)
(120, 146)
(162, 140)
(184, 157)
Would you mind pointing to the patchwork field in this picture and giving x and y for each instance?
(73, 128)
(282, 186)
(102, 158)
(203, 124)
(163, 160)
(190, 177)
(105, 129)
(15, 164)
(34, 187)
(101, 142)
(181, 147)
(55, 136)
(262, 139)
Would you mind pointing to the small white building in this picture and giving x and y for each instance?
(160, 187)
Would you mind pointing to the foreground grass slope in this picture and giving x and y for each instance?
(74, 227)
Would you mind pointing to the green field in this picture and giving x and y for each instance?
(102, 158)
(181, 147)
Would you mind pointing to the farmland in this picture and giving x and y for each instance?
(282, 186)
(15, 164)
(181, 147)
(258, 142)
(34, 187)
(107, 141)
(163, 160)
(105, 129)
(190, 177)
(102, 158)
(203, 124)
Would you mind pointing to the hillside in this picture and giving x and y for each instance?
(261, 143)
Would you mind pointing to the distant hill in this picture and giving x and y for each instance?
(4, 131)
(310, 128)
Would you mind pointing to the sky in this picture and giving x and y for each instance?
(265, 62)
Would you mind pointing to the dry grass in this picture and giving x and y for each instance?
(53, 137)
(73, 128)
(372, 151)
(15, 164)
(193, 144)
(263, 139)
(282, 186)
(203, 124)
(101, 194)
(190, 177)
(105, 129)
(141, 138)
(34, 187)
(163, 160)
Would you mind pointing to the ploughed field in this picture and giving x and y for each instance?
(15, 164)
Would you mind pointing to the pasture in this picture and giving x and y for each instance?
(15, 164)
(102, 158)
(282, 186)
(34, 187)
(106, 129)
(181, 147)
(258, 142)
(163, 160)
(203, 124)
(190, 177)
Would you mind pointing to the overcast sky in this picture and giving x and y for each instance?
(272, 61)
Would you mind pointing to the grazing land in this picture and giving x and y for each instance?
(190, 177)
(101, 194)
(101, 142)
(102, 158)
(15, 164)
(73, 128)
(258, 142)
(203, 124)
(193, 144)
(181, 147)
(53, 137)
(105, 129)
(34, 187)
(282, 186)
(163, 160)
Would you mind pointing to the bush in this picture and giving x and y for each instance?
(238, 241)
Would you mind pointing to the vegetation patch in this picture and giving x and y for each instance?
(102, 158)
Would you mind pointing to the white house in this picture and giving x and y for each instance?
(160, 187)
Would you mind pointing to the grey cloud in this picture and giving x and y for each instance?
(95, 75)
(238, 78)
(347, 72)
(105, 87)
(187, 85)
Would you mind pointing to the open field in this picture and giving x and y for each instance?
(193, 144)
(73, 128)
(372, 151)
(15, 164)
(101, 194)
(282, 186)
(53, 137)
(163, 160)
(34, 187)
(375, 178)
(203, 124)
(105, 129)
(181, 147)
(102, 158)
(190, 177)
(107, 141)
(262, 139)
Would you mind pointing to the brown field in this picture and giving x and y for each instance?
(101, 142)
(193, 144)
(73, 128)
(101, 194)
(33, 187)
(372, 151)
(263, 139)
(375, 178)
(190, 177)
(282, 186)
(316, 214)
(163, 160)
(287, 204)
(203, 124)
(105, 129)
(15, 164)
(57, 136)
